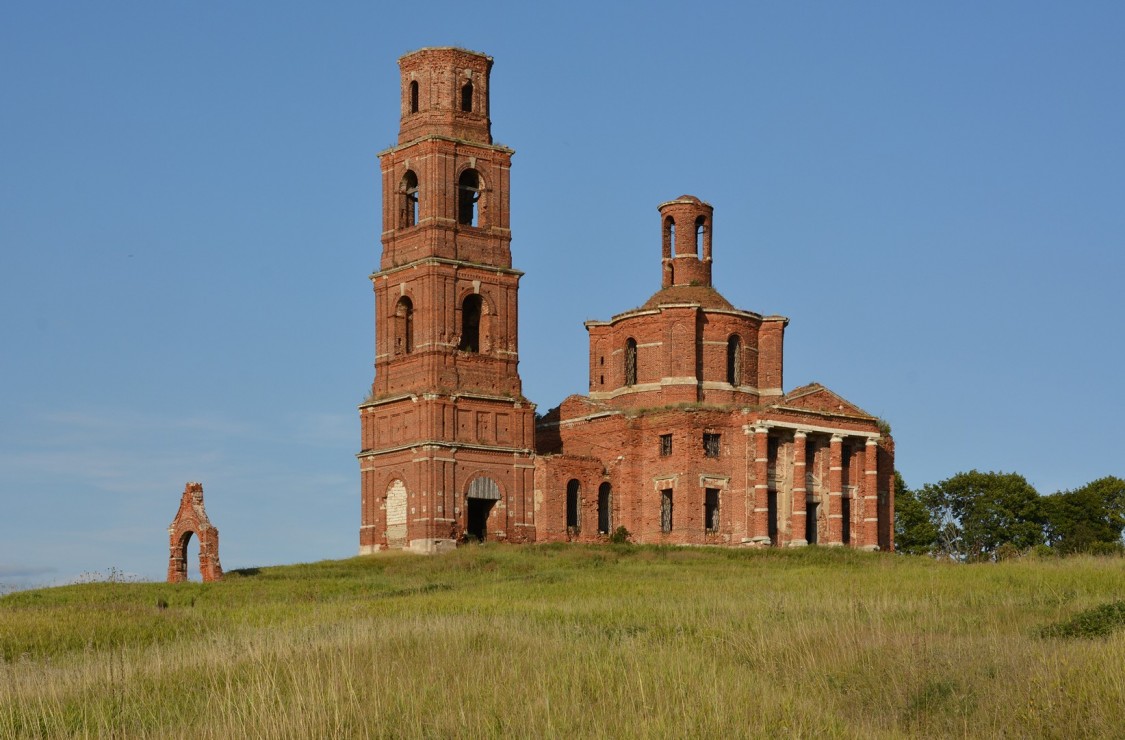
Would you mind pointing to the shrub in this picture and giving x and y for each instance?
(1096, 622)
(1105, 548)
(620, 536)
(1007, 551)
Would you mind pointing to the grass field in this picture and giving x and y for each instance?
(567, 640)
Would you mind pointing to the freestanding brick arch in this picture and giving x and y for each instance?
(192, 519)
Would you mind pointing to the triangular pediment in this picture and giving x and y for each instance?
(815, 397)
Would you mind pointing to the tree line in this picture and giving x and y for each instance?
(978, 516)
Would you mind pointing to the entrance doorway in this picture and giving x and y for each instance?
(810, 521)
(479, 509)
(771, 508)
(482, 495)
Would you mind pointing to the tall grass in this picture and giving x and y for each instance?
(564, 640)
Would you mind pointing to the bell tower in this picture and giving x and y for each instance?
(447, 437)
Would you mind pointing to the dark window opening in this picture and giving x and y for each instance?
(470, 324)
(665, 445)
(771, 516)
(734, 360)
(810, 522)
(846, 519)
(404, 326)
(467, 97)
(408, 215)
(601, 380)
(631, 362)
(604, 492)
(711, 509)
(572, 525)
(414, 96)
(468, 198)
(712, 444)
(666, 510)
(699, 229)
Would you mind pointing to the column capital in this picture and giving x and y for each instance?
(837, 437)
(801, 433)
(761, 429)
(871, 442)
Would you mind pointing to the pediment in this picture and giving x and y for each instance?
(815, 397)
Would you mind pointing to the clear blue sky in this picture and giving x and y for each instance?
(934, 193)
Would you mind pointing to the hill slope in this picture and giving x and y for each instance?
(564, 640)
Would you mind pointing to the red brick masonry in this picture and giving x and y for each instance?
(686, 436)
(191, 518)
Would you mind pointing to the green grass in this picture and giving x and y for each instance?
(613, 641)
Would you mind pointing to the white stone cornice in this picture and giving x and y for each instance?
(810, 428)
(439, 444)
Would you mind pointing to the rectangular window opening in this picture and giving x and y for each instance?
(712, 443)
(711, 509)
(665, 445)
(666, 510)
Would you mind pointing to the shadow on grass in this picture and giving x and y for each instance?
(245, 572)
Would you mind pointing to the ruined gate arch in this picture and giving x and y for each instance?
(191, 518)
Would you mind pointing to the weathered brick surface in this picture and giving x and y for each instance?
(446, 434)
(191, 518)
(686, 399)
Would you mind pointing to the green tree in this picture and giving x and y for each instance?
(978, 512)
(1087, 519)
(915, 530)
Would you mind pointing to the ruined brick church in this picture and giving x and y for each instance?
(686, 435)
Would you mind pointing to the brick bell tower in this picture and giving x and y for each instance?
(447, 436)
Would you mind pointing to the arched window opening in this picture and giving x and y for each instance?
(468, 192)
(404, 326)
(470, 324)
(734, 360)
(414, 96)
(572, 525)
(408, 215)
(604, 501)
(467, 97)
(700, 227)
(669, 237)
(631, 362)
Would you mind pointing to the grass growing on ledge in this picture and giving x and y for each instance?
(572, 640)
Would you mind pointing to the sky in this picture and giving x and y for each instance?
(933, 193)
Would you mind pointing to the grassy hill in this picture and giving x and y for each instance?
(568, 640)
